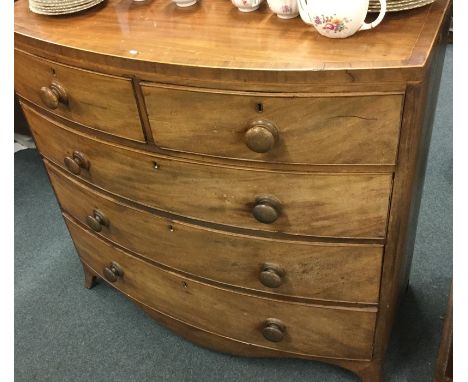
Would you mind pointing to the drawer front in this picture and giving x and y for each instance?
(97, 101)
(342, 205)
(336, 272)
(307, 130)
(313, 330)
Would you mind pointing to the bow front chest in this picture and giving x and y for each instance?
(251, 184)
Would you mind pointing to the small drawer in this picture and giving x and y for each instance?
(337, 205)
(98, 101)
(338, 272)
(277, 128)
(298, 328)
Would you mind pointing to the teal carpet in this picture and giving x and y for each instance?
(66, 333)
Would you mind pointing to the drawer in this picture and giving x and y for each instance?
(289, 129)
(339, 272)
(308, 329)
(342, 205)
(98, 101)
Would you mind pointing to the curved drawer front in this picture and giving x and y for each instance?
(321, 271)
(310, 204)
(314, 330)
(308, 130)
(95, 100)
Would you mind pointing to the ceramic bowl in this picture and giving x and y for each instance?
(247, 5)
(284, 9)
(184, 3)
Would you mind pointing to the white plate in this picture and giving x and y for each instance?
(60, 5)
(75, 3)
(410, 4)
(394, 2)
(61, 10)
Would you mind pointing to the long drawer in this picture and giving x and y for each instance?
(339, 205)
(282, 128)
(98, 101)
(339, 272)
(293, 327)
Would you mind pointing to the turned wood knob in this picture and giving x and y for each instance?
(261, 136)
(267, 209)
(113, 272)
(271, 275)
(53, 95)
(273, 330)
(76, 162)
(97, 220)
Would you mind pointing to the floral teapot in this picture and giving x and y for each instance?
(338, 18)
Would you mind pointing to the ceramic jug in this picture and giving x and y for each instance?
(339, 18)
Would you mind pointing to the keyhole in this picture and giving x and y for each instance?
(259, 107)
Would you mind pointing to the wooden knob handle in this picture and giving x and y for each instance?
(261, 136)
(97, 220)
(53, 95)
(271, 275)
(113, 272)
(76, 162)
(267, 209)
(274, 330)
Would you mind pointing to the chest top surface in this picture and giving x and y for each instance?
(214, 34)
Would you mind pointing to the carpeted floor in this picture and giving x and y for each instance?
(65, 333)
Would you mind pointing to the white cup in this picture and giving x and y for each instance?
(247, 5)
(284, 9)
(184, 3)
(339, 18)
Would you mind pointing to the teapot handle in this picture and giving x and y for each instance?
(302, 5)
(383, 9)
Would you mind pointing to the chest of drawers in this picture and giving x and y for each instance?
(256, 194)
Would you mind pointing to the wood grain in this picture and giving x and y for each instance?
(444, 364)
(211, 40)
(314, 330)
(98, 101)
(346, 273)
(344, 205)
(415, 138)
(312, 130)
(89, 277)
(220, 343)
(151, 147)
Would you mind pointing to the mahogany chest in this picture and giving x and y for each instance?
(251, 184)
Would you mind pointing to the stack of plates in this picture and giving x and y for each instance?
(398, 5)
(61, 7)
